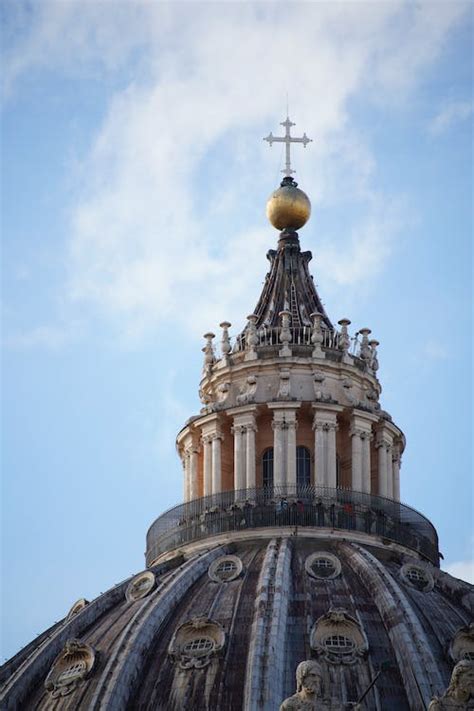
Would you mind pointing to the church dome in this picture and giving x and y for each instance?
(292, 576)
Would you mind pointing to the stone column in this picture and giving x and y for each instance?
(356, 445)
(291, 425)
(325, 428)
(207, 464)
(250, 458)
(216, 463)
(193, 473)
(279, 432)
(319, 454)
(284, 442)
(239, 456)
(361, 433)
(244, 428)
(331, 463)
(384, 444)
(366, 473)
(185, 458)
(396, 461)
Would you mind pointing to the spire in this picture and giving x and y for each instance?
(289, 287)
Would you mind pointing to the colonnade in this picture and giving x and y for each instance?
(365, 428)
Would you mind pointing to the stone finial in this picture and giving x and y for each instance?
(225, 340)
(317, 335)
(365, 351)
(309, 688)
(208, 350)
(252, 338)
(374, 363)
(285, 333)
(344, 339)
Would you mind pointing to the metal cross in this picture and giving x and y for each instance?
(288, 139)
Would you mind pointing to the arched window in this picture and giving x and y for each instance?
(267, 468)
(303, 467)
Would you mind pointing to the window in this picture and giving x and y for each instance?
(323, 565)
(71, 673)
(267, 468)
(226, 569)
(339, 644)
(303, 467)
(323, 568)
(417, 577)
(199, 646)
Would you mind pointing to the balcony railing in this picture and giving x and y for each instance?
(292, 507)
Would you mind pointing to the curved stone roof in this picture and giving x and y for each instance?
(289, 286)
(194, 642)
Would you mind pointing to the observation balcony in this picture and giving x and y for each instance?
(292, 507)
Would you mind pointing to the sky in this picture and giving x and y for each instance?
(134, 184)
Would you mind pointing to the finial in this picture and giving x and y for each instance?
(225, 340)
(285, 333)
(208, 350)
(288, 139)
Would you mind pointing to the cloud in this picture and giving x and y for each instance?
(167, 223)
(462, 569)
(451, 114)
(51, 337)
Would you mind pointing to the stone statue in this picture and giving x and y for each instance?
(309, 689)
(460, 692)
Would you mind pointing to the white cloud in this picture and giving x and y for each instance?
(51, 337)
(452, 113)
(462, 569)
(166, 224)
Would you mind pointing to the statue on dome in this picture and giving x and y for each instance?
(309, 689)
(460, 692)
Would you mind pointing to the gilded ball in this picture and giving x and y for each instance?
(288, 208)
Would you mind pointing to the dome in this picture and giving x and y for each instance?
(288, 208)
(227, 622)
(292, 576)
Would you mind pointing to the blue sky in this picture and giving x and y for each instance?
(134, 181)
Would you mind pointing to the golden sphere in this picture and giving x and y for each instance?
(288, 208)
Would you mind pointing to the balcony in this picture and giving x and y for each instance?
(292, 507)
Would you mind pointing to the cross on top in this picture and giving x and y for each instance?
(287, 139)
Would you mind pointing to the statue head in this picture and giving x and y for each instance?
(309, 679)
(461, 686)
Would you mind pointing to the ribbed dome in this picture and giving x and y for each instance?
(225, 627)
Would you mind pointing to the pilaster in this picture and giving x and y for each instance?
(284, 442)
(325, 427)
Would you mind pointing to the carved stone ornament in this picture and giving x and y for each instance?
(309, 689)
(417, 576)
(323, 565)
(141, 585)
(462, 644)
(284, 388)
(196, 642)
(77, 607)
(460, 692)
(70, 668)
(247, 391)
(338, 638)
(226, 568)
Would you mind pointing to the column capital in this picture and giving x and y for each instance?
(238, 429)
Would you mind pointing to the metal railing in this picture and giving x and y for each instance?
(292, 506)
